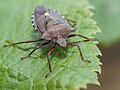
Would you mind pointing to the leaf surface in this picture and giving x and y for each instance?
(69, 71)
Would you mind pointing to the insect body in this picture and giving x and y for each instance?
(51, 25)
(54, 28)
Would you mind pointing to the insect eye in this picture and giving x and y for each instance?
(62, 42)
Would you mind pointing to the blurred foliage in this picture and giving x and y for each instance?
(69, 71)
(107, 15)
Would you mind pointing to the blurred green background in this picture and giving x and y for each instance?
(107, 16)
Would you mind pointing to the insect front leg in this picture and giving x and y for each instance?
(37, 47)
(49, 53)
(13, 44)
(87, 38)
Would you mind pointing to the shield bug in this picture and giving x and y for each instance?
(54, 28)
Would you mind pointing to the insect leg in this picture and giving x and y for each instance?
(81, 41)
(13, 44)
(49, 53)
(88, 39)
(74, 22)
(38, 47)
(72, 44)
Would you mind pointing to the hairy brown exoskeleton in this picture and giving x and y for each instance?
(54, 28)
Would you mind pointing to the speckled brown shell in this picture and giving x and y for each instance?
(51, 27)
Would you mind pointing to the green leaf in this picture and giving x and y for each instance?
(107, 15)
(69, 71)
